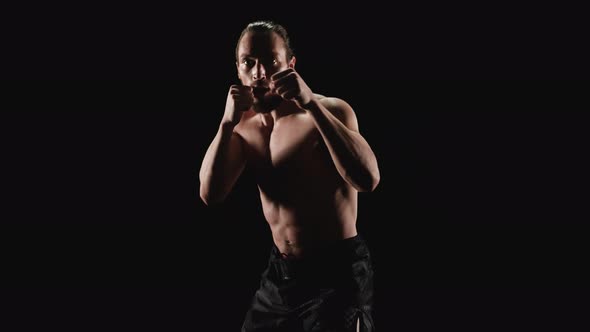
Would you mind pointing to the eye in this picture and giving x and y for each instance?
(275, 62)
(248, 62)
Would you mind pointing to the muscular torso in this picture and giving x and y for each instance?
(305, 201)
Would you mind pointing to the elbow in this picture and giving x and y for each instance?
(206, 199)
(206, 192)
(375, 179)
(369, 182)
(209, 198)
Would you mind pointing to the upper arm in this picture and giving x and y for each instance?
(238, 151)
(342, 111)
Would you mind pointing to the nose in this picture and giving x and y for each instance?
(259, 72)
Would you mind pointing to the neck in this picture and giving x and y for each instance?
(285, 108)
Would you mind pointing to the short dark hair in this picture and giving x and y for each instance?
(268, 26)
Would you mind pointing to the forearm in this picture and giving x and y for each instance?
(353, 157)
(221, 166)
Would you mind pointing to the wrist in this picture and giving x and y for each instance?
(312, 105)
(226, 126)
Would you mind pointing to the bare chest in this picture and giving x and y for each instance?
(289, 142)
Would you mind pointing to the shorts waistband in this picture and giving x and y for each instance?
(339, 248)
(336, 255)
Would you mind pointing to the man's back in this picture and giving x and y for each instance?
(304, 199)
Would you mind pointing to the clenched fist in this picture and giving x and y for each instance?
(289, 85)
(239, 99)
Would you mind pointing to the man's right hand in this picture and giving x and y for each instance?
(239, 100)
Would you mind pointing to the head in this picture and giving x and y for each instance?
(263, 50)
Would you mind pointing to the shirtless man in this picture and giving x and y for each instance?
(310, 162)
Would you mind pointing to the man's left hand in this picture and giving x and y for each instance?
(289, 85)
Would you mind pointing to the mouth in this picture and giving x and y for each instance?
(259, 90)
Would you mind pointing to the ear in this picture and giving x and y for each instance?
(292, 62)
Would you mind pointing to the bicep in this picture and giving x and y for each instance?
(237, 153)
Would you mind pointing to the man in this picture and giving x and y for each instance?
(310, 162)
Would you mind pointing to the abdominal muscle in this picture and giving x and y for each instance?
(301, 227)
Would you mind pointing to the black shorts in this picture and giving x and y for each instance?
(327, 291)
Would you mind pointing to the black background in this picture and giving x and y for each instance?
(479, 222)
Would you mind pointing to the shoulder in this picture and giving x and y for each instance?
(341, 110)
(335, 104)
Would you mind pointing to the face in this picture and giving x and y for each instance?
(261, 55)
